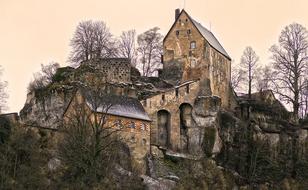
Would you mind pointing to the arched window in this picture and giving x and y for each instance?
(185, 117)
(163, 127)
(185, 123)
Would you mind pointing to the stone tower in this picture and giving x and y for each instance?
(192, 52)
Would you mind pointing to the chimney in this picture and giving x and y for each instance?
(177, 13)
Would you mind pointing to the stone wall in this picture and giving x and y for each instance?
(203, 61)
(177, 50)
(135, 133)
(170, 101)
(113, 70)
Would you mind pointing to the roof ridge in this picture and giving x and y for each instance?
(213, 41)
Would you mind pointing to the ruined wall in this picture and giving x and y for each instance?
(113, 70)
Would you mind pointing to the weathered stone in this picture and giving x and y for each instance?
(156, 152)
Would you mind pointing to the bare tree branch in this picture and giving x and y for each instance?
(290, 65)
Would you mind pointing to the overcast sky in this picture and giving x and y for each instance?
(39, 31)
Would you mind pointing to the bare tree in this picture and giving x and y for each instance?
(3, 93)
(43, 77)
(127, 46)
(237, 76)
(91, 40)
(290, 63)
(88, 148)
(150, 50)
(249, 65)
(263, 78)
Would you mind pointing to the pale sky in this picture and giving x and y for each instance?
(39, 31)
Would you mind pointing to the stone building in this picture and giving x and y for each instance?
(120, 113)
(192, 52)
(200, 69)
(171, 112)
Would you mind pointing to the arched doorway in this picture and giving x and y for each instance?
(163, 126)
(185, 123)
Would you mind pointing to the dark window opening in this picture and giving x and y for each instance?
(163, 97)
(188, 31)
(185, 122)
(177, 33)
(187, 88)
(132, 125)
(163, 124)
(177, 92)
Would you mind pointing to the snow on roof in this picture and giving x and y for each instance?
(117, 105)
(209, 36)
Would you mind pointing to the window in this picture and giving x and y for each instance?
(193, 45)
(118, 124)
(163, 97)
(142, 127)
(132, 125)
(188, 31)
(144, 142)
(177, 92)
(187, 88)
(177, 33)
(193, 63)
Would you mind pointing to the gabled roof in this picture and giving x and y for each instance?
(116, 105)
(208, 35)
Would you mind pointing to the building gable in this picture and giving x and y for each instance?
(205, 33)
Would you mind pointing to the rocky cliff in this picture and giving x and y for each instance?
(225, 150)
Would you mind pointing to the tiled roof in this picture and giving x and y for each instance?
(116, 105)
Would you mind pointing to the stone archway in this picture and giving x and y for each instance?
(163, 126)
(185, 123)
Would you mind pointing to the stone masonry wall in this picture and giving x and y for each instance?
(171, 101)
(195, 63)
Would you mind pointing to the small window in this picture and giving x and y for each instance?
(187, 88)
(177, 33)
(132, 125)
(177, 92)
(188, 31)
(193, 63)
(163, 97)
(186, 20)
(118, 124)
(142, 127)
(193, 45)
(144, 142)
